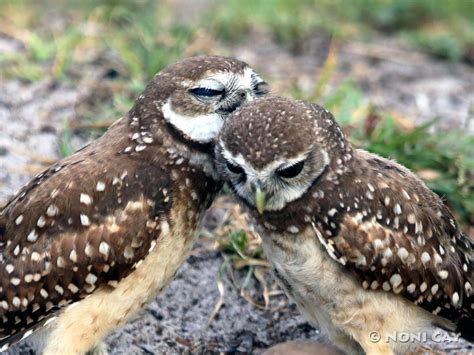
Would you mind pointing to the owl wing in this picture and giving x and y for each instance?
(83, 224)
(396, 235)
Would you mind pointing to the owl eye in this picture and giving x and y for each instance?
(206, 92)
(291, 171)
(261, 88)
(233, 168)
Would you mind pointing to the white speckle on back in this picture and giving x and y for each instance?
(19, 219)
(59, 289)
(148, 140)
(402, 253)
(88, 250)
(128, 252)
(423, 286)
(73, 256)
(104, 249)
(73, 288)
(395, 280)
(425, 257)
(32, 236)
(52, 211)
(16, 301)
(9, 268)
(41, 222)
(455, 298)
(85, 220)
(293, 229)
(397, 209)
(443, 274)
(100, 186)
(406, 195)
(35, 256)
(85, 199)
(60, 262)
(91, 279)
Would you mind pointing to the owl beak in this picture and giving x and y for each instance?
(249, 97)
(260, 200)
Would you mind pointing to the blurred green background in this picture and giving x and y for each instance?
(147, 35)
(127, 42)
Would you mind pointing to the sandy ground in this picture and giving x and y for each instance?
(32, 117)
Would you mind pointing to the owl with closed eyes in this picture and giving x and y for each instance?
(357, 241)
(92, 239)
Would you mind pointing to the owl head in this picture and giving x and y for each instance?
(196, 94)
(273, 150)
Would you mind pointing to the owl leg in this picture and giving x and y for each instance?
(71, 335)
(323, 320)
(361, 325)
(345, 343)
(341, 339)
(80, 328)
(368, 334)
(373, 347)
(40, 341)
(370, 338)
(99, 349)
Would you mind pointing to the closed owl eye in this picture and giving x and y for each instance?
(206, 92)
(261, 88)
(234, 168)
(291, 171)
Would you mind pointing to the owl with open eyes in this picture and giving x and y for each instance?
(356, 240)
(92, 239)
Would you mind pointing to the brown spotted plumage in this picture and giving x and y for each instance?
(93, 238)
(392, 250)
